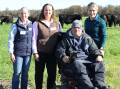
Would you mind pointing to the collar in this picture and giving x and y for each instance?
(69, 32)
(24, 24)
(96, 17)
(20, 23)
(48, 23)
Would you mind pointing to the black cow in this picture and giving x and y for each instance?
(6, 19)
(118, 21)
(33, 18)
(111, 20)
(67, 18)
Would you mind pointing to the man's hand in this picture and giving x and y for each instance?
(66, 59)
(99, 59)
(36, 56)
(12, 57)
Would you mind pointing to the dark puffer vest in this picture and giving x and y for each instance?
(47, 39)
(23, 40)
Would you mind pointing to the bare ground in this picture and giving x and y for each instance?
(6, 84)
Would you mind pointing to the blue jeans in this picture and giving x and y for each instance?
(21, 67)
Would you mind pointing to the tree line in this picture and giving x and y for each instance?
(75, 9)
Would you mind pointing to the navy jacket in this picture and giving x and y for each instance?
(23, 40)
(84, 47)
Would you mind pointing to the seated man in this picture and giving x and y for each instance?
(78, 52)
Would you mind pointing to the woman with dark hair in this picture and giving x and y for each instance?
(45, 35)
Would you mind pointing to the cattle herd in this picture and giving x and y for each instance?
(68, 18)
(111, 19)
(6, 19)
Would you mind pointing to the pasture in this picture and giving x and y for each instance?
(112, 58)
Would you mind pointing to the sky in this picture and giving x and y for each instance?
(58, 4)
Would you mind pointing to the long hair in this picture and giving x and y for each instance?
(42, 11)
(41, 17)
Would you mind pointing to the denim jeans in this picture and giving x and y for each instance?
(20, 67)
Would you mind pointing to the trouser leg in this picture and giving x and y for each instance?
(51, 69)
(99, 75)
(25, 69)
(39, 71)
(17, 67)
(81, 77)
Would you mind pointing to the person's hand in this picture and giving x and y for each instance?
(12, 57)
(66, 59)
(99, 59)
(36, 56)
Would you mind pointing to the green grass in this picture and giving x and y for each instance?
(112, 57)
(5, 63)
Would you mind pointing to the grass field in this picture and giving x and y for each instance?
(112, 57)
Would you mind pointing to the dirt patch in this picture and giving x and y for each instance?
(6, 84)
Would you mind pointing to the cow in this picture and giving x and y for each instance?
(33, 18)
(118, 21)
(68, 18)
(111, 20)
(6, 19)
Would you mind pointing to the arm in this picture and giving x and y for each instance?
(95, 52)
(59, 27)
(34, 38)
(103, 36)
(34, 41)
(11, 37)
(103, 33)
(91, 47)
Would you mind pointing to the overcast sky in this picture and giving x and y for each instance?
(58, 4)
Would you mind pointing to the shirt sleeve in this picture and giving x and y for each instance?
(11, 37)
(104, 33)
(91, 48)
(34, 38)
(59, 27)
